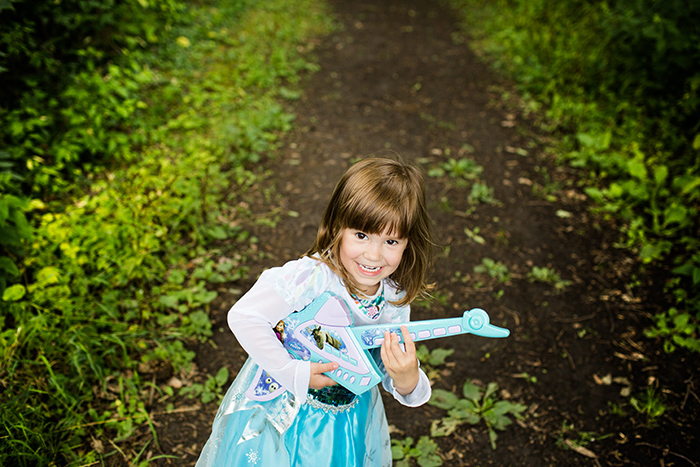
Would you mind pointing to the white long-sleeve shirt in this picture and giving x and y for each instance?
(281, 291)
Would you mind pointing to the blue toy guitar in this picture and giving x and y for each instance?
(323, 332)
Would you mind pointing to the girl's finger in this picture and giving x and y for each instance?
(407, 341)
(387, 354)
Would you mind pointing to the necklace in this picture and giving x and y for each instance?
(371, 307)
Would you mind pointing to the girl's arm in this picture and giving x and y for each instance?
(252, 319)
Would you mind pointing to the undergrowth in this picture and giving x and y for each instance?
(134, 178)
(617, 86)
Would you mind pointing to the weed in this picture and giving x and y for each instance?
(431, 359)
(435, 123)
(548, 276)
(616, 409)
(425, 452)
(481, 193)
(650, 404)
(477, 405)
(495, 269)
(473, 234)
(464, 168)
(532, 379)
(210, 390)
(570, 438)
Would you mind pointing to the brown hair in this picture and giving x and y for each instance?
(375, 195)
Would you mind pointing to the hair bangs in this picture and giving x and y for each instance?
(377, 212)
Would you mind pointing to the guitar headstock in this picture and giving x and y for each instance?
(476, 321)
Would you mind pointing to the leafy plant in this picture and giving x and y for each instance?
(473, 234)
(431, 359)
(649, 403)
(481, 193)
(114, 253)
(570, 438)
(478, 404)
(464, 168)
(210, 390)
(425, 452)
(494, 269)
(678, 328)
(548, 276)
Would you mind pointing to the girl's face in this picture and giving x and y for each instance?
(369, 258)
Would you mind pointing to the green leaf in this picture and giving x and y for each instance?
(490, 389)
(660, 174)
(222, 376)
(443, 399)
(170, 301)
(428, 456)
(444, 427)
(471, 391)
(493, 436)
(397, 452)
(14, 293)
(438, 356)
(9, 266)
(675, 214)
(637, 169)
(651, 251)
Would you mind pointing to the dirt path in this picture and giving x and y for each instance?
(399, 76)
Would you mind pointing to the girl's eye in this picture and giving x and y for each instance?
(392, 242)
(360, 235)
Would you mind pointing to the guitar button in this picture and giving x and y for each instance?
(439, 331)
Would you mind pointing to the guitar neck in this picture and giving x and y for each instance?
(475, 321)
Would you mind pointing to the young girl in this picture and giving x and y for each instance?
(373, 249)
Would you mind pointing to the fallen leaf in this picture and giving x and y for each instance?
(581, 450)
(604, 381)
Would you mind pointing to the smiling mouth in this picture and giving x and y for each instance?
(368, 269)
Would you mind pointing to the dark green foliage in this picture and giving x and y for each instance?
(618, 83)
(117, 217)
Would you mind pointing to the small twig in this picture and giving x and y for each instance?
(574, 319)
(688, 392)
(117, 448)
(669, 452)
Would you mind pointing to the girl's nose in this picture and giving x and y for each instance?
(373, 252)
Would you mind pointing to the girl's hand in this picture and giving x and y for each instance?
(318, 380)
(401, 365)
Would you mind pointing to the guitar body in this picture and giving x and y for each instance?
(321, 333)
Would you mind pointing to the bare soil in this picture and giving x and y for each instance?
(398, 75)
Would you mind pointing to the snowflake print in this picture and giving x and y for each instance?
(253, 457)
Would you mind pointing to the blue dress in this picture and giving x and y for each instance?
(331, 428)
